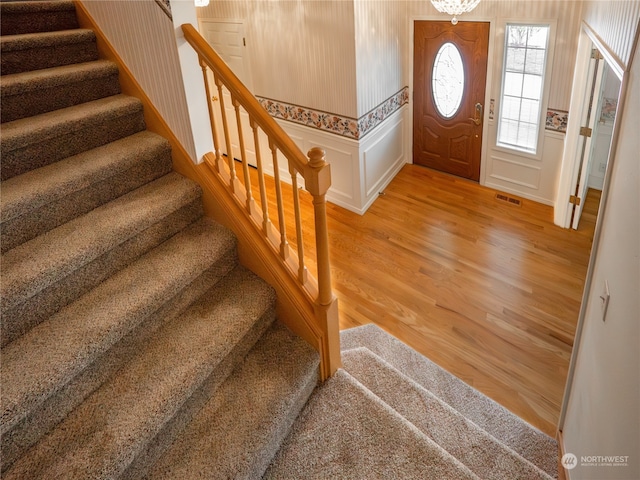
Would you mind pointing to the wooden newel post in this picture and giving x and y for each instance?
(318, 183)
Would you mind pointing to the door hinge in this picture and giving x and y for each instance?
(244, 42)
(585, 131)
(595, 54)
(574, 200)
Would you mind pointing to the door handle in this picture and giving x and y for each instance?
(478, 117)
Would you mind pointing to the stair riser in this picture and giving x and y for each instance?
(26, 433)
(18, 61)
(23, 317)
(96, 132)
(163, 440)
(45, 100)
(31, 224)
(32, 22)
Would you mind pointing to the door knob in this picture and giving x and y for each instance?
(478, 118)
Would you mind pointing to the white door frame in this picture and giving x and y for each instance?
(570, 168)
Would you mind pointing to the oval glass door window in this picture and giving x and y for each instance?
(448, 80)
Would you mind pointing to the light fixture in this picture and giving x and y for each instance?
(455, 7)
(201, 3)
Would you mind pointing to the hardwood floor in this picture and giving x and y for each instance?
(488, 290)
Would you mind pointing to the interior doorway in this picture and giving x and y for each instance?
(599, 113)
(449, 83)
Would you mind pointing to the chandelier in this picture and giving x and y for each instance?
(455, 7)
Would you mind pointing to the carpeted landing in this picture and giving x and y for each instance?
(392, 413)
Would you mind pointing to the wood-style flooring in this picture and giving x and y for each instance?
(488, 290)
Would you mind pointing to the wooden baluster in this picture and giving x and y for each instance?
(263, 189)
(227, 138)
(243, 156)
(284, 244)
(318, 181)
(302, 269)
(210, 100)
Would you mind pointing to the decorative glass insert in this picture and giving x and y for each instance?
(522, 86)
(447, 82)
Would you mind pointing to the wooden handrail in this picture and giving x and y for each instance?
(245, 97)
(318, 310)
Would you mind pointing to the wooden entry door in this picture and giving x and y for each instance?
(449, 78)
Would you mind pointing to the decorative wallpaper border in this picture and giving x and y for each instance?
(330, 122)
(556, 120)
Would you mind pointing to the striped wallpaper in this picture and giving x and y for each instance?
(346, 57)
(143, 36)
(615, 23)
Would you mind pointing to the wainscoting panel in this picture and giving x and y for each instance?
(341, 154)
(518, 173)
(382, 155)
(530, 178)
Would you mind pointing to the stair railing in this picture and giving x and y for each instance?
(314, 170)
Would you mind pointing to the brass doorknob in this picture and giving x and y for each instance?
(478, 118)
(214, 99)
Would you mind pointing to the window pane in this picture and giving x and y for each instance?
(527, 136)
(517, 35)
(513, 84)
(530, 111)
(509, 132)
(515, 59)
(535, 61)
(448, 80)
(511, 108)
(538, 37)
(532, 87)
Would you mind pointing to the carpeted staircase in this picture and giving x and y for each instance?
(135, 346)
(392, 413)
(127, 321)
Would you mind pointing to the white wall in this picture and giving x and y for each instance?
(301, 52)
(144, 37)
(603, 413)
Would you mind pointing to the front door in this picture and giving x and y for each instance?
(449, 78)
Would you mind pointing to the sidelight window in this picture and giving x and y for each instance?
(522, 86)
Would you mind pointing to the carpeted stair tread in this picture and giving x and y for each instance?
(42, 199)
(35, 51)
(479, 451)
(37, 16)
(346, 432)
(49, 355)
(36, 141)
(533, 445)
(39, 91)
(36, 264)
(208, 271)
(116, 422)
(241, 427)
